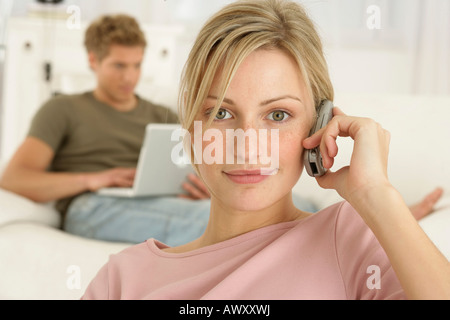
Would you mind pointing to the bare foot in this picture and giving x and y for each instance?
(425, 207)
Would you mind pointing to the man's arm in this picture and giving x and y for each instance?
(27, 175)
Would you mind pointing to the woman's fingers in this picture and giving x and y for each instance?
(326, 139)
(369, 157)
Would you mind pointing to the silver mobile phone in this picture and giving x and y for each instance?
(312, 157)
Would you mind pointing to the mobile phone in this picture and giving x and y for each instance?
(312, 157)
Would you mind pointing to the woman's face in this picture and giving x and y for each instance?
(267, 99)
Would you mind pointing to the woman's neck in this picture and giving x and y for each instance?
(226, 223)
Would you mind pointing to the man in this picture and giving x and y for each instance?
(78, 144)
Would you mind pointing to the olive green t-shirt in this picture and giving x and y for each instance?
(87, 135)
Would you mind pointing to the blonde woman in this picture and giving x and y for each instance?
(258, 65)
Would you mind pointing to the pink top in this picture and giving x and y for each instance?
(329, 255)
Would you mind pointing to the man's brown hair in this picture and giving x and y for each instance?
(113, 29)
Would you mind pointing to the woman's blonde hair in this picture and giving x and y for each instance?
(237, 30)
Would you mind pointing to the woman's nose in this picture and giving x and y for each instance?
(243, 142)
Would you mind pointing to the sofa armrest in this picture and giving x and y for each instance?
(15, 208)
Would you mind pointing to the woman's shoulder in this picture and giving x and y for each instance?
(125, 266)
(134, 251)
(363, 263)
(340, 213)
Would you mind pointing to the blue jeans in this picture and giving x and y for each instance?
(171, 220)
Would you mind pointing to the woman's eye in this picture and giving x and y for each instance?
(278, 115)
(222, 114)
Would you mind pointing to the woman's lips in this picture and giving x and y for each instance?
(250, 176)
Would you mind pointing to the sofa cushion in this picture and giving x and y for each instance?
(15, 208)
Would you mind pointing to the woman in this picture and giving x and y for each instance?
(258, 65)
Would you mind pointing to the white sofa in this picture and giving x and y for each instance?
(39, 261)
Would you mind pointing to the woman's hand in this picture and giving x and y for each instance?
(368, 164)
(422, 270)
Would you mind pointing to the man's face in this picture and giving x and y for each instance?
(118, 73)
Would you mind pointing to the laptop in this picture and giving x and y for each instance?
(158, 172)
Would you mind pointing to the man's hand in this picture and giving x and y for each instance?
(117, 177)
(195, 188)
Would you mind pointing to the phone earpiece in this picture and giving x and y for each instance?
(312, 157)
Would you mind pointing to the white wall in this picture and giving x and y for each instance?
(363, 56)
(386, 59)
